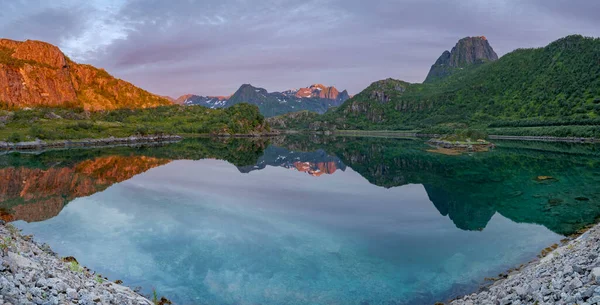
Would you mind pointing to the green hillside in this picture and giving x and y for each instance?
(553, 90)
(68, 124)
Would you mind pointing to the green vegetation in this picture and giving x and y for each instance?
(293, 120)
(466, 135)
(154, 296)
(62, 124)
(75, 267)
(5, 244)
(552, 91)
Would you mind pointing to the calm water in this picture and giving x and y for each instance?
(302, 221)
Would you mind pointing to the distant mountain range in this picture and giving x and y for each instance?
(316, 98)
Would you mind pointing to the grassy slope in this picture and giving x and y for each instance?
(23, 125)
(553, 90)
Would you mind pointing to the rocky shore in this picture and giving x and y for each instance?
(568, 275)
(41, 145)
(30, 273)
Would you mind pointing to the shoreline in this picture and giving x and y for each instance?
(411, 134)
(569, 274)
(38, 146)
(31, 273)
(81, 143)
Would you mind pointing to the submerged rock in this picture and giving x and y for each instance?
(545, 178)
(555, 201)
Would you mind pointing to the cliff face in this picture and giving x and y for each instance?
(37, 194)
(468, 51)
(35, 73)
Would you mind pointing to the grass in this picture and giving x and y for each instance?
(154, 296)
(6, 244)
(159, 301)
(75, 267)
(64, 124)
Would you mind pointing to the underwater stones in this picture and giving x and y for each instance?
(545, 179)
(555, 201)
(515, 194)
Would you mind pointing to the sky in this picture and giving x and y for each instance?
(211, 47)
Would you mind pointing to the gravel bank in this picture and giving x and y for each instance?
(568, 275)
(30, 273)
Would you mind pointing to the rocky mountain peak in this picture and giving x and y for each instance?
(467, 51)
(34, 73)
(471, 50)
(181, 100)
(38, 51)
(320, 91)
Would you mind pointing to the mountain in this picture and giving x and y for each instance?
(316, 98)
(206, 101)
(35, 73)
(553, 90)
(319, 91)
(468, 51)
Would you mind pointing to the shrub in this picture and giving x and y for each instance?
(473, 134)
(15, 137)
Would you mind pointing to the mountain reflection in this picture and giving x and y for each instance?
(34, 194)
(467, 189)
(315, 163)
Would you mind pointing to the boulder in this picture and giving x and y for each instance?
(596, 274)
(16, 262)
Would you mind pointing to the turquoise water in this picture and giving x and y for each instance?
(292, 230)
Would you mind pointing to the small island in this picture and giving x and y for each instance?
(461, 142)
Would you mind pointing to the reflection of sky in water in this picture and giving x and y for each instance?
(201, 232)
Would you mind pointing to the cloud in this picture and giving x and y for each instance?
(26, 20)
(213, 46)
